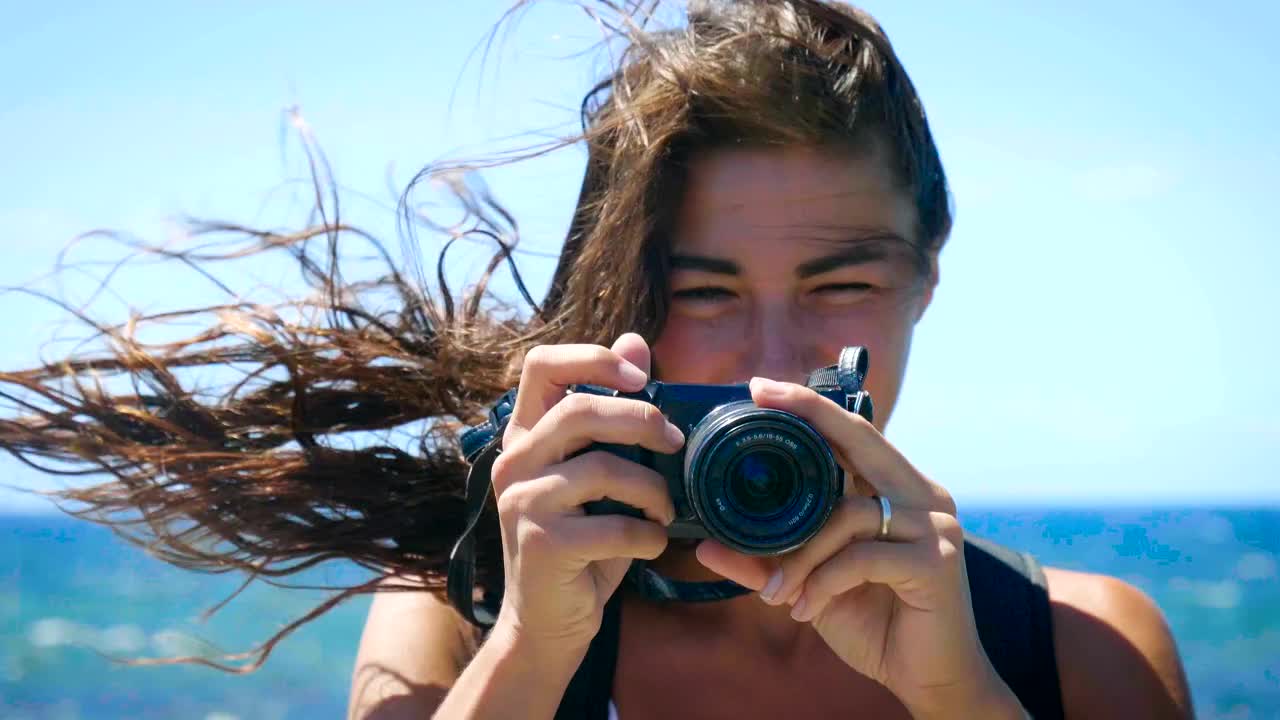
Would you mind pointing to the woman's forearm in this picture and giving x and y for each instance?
(509, 678)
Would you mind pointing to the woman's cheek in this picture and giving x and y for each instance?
(855, 326)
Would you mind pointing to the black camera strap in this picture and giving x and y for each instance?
(481, 446)
(653, 585)
(462, 559)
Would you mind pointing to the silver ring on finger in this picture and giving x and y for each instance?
(886, 517)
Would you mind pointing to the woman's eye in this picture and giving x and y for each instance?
(844, 288)
(703, 294)
(841, 294)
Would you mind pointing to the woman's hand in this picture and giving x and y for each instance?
(562, 565)
(895, 609)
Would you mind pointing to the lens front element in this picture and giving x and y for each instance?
(763, 483)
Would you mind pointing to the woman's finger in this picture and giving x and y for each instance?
(579, 420)
(632, 348)
(917, 572)
(855, 519)
(593, 476)
(757, 572)
(749, 571)
(858, 442)
(604, 537)
(549, 369)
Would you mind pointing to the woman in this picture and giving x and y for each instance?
(779, 187)
(762, 189)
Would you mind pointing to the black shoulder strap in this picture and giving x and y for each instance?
(590, 689)
(1010, 599)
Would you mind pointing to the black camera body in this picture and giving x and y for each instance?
(760, 480)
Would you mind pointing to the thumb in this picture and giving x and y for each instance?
(633, 347)
(749, 571)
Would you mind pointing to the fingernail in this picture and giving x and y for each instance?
(633, 376)
(764, 387)
(798, 610)
(674, 436)
(771, 588)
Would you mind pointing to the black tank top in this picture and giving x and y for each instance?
(1010, 601)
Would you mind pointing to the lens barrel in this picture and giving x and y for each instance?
(762, 481)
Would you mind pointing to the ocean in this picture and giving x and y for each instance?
(71, 595)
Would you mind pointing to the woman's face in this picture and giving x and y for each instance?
(781, 257)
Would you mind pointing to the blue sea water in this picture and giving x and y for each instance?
(71, 594)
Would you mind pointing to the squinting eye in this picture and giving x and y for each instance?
(842, 294)
(844, 288)
(702, 294)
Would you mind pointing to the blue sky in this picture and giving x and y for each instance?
(1105, 331)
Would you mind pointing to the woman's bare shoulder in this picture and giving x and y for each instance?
(412, 650)
(1116, 655)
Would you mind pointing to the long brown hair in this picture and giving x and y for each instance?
(254, 478)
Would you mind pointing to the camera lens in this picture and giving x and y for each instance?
(762, 481)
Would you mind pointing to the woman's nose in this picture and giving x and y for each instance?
(778, 347)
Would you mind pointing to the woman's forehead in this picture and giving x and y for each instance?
(790, 192)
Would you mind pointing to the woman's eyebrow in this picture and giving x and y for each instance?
(702, 263)
(856, 251)
(856, 254)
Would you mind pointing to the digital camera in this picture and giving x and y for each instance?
(759, 480)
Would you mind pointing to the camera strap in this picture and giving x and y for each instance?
(653, 585)
(462, 559)
(481, 446)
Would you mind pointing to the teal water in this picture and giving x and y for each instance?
(70, 591)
